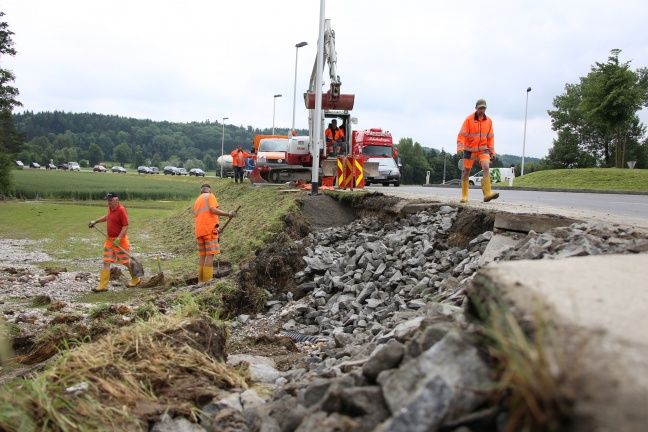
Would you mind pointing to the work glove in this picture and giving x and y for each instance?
(493, 156)
(232, 214)
(116, 242)
(92, 224)
(460, 154)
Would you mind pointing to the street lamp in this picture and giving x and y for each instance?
(525, 121)
(297, 46)
(274, 104)
(223, 147)
(444, 163)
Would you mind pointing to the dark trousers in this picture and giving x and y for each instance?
(238, 174)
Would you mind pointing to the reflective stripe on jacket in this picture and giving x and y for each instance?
(204, 219)
(476, 134)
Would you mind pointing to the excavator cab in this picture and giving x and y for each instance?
(337, 141)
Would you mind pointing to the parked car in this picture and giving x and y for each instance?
(182, 171)
(117, 169)
(388, 170)
(99, 168)
(143, 170)
(19, 164)
(154, 170)
(34, 165)
(50, 166)
(63, 166)
(196, 172)
(170, 170)
(74, 166)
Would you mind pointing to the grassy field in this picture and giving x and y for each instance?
(160, 209)
(589, 178)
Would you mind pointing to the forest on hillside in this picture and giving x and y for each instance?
(95, 138)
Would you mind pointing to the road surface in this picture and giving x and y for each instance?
(624, 209)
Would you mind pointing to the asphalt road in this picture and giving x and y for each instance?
(625, 209)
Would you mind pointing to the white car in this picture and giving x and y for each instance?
(74, 166)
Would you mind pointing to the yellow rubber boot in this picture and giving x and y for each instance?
(134, 280)
(104, 278)
(200, 274)
(464, 191)
(208, 273)
(486, 188)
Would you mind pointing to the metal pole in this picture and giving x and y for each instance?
(223, 147)
(273, 110)
(525, 122)
(297, 46)
(317, 117)
(444, 163)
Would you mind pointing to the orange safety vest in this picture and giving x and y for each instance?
(238, 158)
(204, 219)
(476, 134)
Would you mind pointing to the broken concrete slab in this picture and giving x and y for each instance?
(524, 223)
(603, 305)
(498, 244)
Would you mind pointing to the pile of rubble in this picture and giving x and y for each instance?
(384, 335)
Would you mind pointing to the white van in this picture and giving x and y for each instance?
(497, 175)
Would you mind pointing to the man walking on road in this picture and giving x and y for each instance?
(238, 162)
(476, 141)
(117, 227)
(206, 214)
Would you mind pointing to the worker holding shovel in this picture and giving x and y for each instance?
(116, 246)
(206, 222)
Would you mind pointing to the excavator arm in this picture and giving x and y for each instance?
(333, 99)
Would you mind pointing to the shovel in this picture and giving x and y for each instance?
(229, 219)
(135, 266)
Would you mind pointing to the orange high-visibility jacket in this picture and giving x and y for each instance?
(339, 135)
(238, 158)
(204, 219)
(476, 134)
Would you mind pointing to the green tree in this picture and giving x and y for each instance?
(138, 159)
(123, 154)
(598, 116)
(415, 165)
(95, 154)
(8, 93)
(10, 140)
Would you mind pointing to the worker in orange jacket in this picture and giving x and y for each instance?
(476, 141)
(206, 223)
(238, 162)
(334, 138)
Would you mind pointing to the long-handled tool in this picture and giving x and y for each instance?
(135, 266)
(229, 219)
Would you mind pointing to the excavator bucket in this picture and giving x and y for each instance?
(371, 169)
(342, 102)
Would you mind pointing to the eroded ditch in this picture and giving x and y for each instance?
(380, 293)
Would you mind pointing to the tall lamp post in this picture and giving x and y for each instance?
(297, 46)
(223, 147)
(525, 122)
(274, 104)
(444, 163)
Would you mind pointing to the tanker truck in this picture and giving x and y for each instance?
(227, 168)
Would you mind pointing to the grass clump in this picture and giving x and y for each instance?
(125, 380)
(536, 376)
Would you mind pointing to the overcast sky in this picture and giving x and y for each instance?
(416, 67)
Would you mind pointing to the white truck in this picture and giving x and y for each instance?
(497, 175)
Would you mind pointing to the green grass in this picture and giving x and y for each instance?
(45, 184)
(587, 178)
(164, 226)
